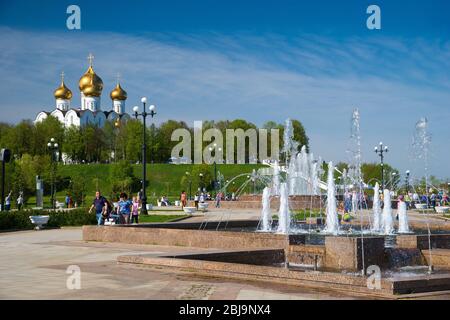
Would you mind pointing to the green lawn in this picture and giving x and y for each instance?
(159, 218)
(163, 179)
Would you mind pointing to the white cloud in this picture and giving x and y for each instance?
(314, 79)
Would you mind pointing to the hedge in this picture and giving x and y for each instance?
(19, 220)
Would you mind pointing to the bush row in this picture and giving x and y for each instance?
(20, 220)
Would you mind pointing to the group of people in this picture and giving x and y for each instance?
(19, 201)
(201, 198)
(69, 202)
(432, 200)
(125, 212)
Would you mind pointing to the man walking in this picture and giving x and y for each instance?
(20, 201)
(99, 204)
(8, 202)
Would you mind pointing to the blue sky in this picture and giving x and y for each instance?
(258, 60)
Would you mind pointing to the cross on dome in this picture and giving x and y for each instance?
(90, 59)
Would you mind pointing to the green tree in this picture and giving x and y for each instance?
(78, 189)
(21, 138)
(43, 132)
(122, 179)
(73, 144)
(94, 143)
(202, 177)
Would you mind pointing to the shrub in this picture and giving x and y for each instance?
(15, 221)
(20, 220)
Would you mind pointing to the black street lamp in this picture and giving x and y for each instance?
(215, 165)
(53, 147)
(407, 181)
(200, 187)
(144, 115)
(5, 157)
(381, 151)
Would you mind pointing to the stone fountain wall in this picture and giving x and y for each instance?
(255, 202)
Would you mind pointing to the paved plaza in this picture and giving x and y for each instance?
(33, 265)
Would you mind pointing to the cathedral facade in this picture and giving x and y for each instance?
(90, 111)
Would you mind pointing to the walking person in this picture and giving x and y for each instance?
(196, 201)
(20, 201)
(202, 198)
(433, 200)
(67, 200)
(124, 208)
(183, 199)
(218, 198)
(135, 210)
(100, 204)
(8, 202)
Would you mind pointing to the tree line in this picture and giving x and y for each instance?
(116, 141)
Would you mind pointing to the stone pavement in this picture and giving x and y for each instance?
(33, 265)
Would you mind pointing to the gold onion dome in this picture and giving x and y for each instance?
(90, 83)
(118, 93)
(62, 92)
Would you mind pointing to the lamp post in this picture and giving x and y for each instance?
(5, 157)
(407, 181)
(200, 187)
(144, 115)
(215, 165)
(393, 180)
(53, 147)
(381, 151)
(116, 131)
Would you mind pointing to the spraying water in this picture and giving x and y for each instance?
(421, 146)
(284, 219)
(376, 209)
(403, 226)
(276, 179)
(387, 223)
(332, 221)
(265, 213)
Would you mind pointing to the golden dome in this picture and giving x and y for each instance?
(62, 92)
(90, 83)
(118, 93)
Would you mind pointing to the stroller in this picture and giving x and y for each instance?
(110, 216)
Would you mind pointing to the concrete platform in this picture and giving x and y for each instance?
(252, 265)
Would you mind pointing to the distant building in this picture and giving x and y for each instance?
(90, 112)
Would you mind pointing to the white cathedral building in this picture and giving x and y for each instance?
(90, 111)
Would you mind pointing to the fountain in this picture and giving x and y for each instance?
(376, 209)
(266, 215)
(403, 226)
(276, 179)
(421, 144)
(332, 221)
(335, 253)
(284, 219)
(387, 223)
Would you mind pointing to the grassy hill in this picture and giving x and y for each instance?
(163, 179)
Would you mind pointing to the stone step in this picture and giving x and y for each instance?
(440, 257)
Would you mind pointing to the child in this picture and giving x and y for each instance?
(135, 210)
(124, 208)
